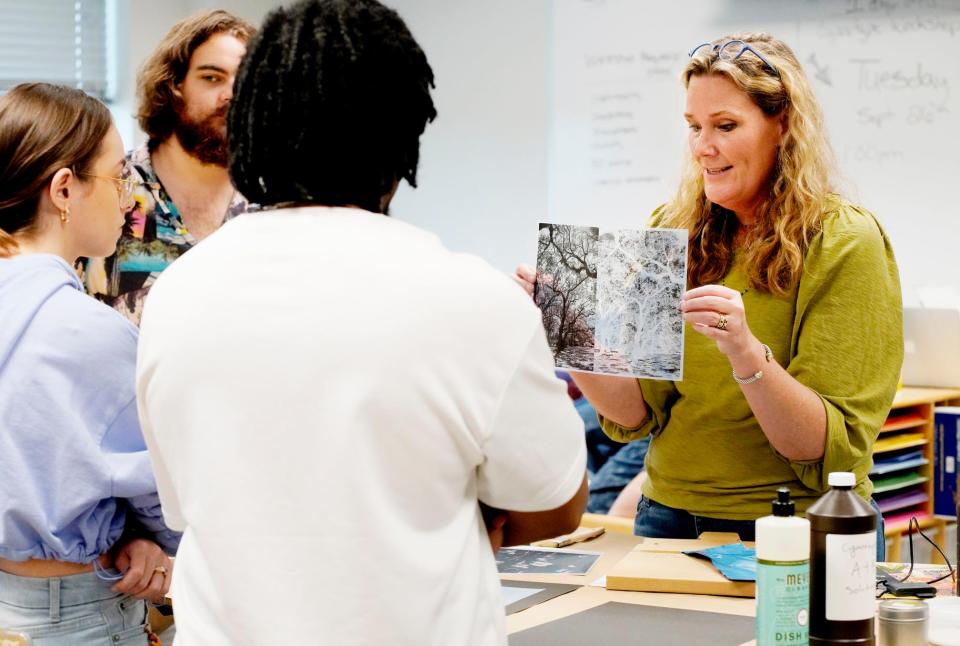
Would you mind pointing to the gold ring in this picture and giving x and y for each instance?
(721, 323)
(162, 569)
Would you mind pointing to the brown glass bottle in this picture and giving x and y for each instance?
(843, 563)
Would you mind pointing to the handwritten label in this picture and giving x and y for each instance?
(851, 576)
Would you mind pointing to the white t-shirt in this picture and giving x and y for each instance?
(326, 393)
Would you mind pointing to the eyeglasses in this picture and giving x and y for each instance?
(732, 50)
(124, 185)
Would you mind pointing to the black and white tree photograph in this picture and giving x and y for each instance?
(611, 302)
(539, 560)
(642, 278)
(566, 292)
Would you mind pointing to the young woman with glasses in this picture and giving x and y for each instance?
(794, 342)
(82, 538)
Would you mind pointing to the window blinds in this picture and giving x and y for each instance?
(57, 41)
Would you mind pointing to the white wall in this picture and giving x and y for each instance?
(141, 24)
(483, 167)
(886, 91)
(483, 161)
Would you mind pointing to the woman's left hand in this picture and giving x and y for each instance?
(146, 570)
(717, 312)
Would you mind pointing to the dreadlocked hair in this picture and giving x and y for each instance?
(800, 186)
(329, 105)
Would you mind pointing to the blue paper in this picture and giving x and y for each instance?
(736, 562)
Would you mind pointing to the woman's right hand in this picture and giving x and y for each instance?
(526, 277)
(146, 570)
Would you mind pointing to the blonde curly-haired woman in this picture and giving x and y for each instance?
(795, 342)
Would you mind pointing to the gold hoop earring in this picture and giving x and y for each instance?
(65, 214)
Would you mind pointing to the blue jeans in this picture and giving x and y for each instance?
(659, 521)
(599, 447)
(77, 610)
(615, 474)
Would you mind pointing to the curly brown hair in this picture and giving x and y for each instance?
(157, 99)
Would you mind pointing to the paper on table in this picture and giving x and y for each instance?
(540, 560)
(938, 296)
(922, 573)
(735, 561)
(542, 592)
(511, 594)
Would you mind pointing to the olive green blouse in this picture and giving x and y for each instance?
(839, 333)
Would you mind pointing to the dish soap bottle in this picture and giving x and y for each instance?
(783, 575)
(843, 565)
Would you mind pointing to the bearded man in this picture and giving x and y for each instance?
(183, 191)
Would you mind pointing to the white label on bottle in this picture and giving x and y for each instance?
(851, 576)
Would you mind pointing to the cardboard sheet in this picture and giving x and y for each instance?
(657, 565)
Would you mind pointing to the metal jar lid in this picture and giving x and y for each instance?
(903, 610)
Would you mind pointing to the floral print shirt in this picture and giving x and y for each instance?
(153, 237)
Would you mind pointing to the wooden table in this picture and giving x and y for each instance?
(614, 547)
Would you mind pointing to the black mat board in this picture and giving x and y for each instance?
(624, 623)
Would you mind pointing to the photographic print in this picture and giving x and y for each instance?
(639, 323)
(611, 302)
(566, 292)
(541, 560)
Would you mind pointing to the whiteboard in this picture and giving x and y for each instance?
(884, 72)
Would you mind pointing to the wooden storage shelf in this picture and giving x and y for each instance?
(890, 444)
(886, 469)
(912, 411)
(900, 423)
(900, 523)
(894, 486)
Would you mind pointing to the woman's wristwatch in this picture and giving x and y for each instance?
(743, 381)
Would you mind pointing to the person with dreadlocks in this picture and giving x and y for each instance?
(357, 415)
